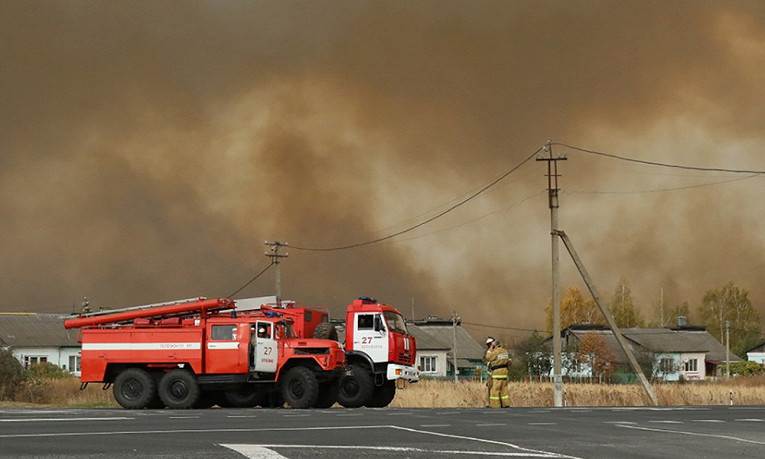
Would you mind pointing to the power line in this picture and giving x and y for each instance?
(251, 280)
(660, 164)
(662, 190)
(426, 221)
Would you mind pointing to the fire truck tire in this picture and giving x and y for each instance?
(243, 398)
(178, 389)
(327, 395)
(383, 395)
(325, 330)
(355, 388)
(134, 389)
(300, 388)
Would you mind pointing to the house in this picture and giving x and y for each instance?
(37, 338)
(757, 354)
(686, 352)
(435, 342)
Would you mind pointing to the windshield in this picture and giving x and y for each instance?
(395, 322)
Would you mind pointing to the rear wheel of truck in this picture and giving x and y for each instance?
(325, 330)
(246, 397)
(327, 395)
(300, 388)
(178, 389)
(355, 388)
(383, 395)
(135, 389)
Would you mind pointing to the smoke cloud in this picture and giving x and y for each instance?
(148, 150)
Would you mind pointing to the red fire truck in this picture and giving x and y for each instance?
(379, 350)
(199, 352)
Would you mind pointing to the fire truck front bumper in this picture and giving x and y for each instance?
(396, 371)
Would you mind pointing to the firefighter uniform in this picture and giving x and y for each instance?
(498, 362)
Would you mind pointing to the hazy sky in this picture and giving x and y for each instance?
(148, 149)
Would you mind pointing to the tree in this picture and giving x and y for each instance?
(533, 357)
(623, 307)
(594, 352)
(731, 304)
(11, 374)
(665, 316)
(575, 309)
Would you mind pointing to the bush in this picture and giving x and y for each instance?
(11, 374)
(47, 370)
(745, 368)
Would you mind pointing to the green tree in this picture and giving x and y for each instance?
(532, 357)
(11, 374)
(623, 307)
(575, 309)
(731, 304)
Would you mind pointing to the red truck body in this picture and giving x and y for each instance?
(197, 352)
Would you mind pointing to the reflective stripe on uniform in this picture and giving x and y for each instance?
(499, 376)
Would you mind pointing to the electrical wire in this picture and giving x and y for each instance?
(424, 222)
(659, 164)
(251, 280)
(662, 190)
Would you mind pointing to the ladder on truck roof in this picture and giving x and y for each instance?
(199, 305)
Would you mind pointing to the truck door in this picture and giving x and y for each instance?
(224, 350)
(369, 335)
(266, 349)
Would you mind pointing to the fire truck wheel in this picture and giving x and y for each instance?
(355, 388)
(325, 330)
(327, 395)
(134, 389)
(300, 388)
(178, 389)
(383, 395)
(246, 397)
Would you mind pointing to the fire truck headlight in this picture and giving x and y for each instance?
(398, 372)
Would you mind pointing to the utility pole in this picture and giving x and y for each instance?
(552, 192)
(275, 257)
(454, 346)
(727, 348)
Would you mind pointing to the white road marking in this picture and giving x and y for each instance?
(65, 419)
(254, 451)
(491, 424)
(435, 425)
(183, 417)
(264, 451)
(240, 416)
(666, 422)
(619, 422)
(709, 420)
(695, 434)
(749, 420)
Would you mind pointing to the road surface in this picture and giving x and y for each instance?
(381, 433)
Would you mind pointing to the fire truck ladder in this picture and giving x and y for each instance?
(199, 305)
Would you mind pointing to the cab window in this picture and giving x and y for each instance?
(223, 332)
(366, 321)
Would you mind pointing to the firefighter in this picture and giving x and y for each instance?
(498, 361)
(489, 340)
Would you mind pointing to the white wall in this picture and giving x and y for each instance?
(758, 357)
(441, 365)
(701, 369)
(59, 356)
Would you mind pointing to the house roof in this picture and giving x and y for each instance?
(663, 340)
(35, 330)
(439, 336)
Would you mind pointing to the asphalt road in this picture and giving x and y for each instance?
(419, 433)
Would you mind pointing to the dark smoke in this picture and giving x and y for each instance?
(148, 149)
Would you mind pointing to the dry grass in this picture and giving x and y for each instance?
(433, 393)
(429, 393)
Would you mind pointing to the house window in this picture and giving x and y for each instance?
(74, 364)
(428, 364)
(691, 365)
(666, 365)
(30, 360)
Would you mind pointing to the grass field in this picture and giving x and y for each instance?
(432, 393)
